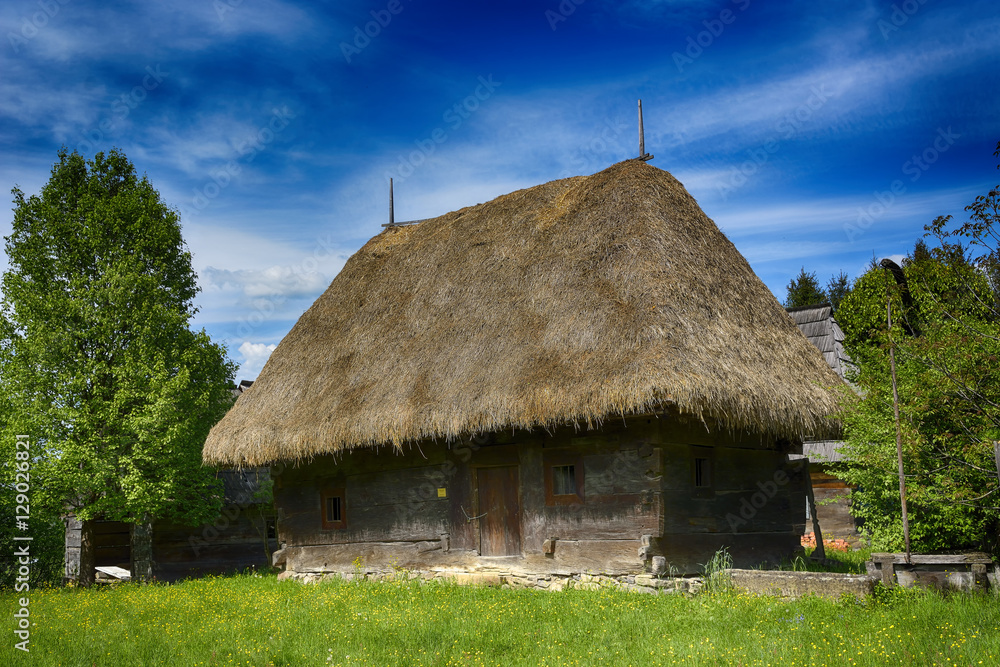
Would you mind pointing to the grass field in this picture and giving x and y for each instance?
(256, 620)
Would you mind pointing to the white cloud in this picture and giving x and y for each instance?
(283, 281)
(255, 355)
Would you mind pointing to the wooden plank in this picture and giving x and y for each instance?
(933, 559)
(111, 527)
(610, 557)
(606, 521)
(375, 555)
(619, 472)
(111, 540)
(412, 521)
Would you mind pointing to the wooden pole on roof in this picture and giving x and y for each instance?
(642, 138)
(643, 155)
(392, 221)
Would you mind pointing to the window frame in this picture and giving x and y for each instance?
(702, 472)
(325, 496)
(706, 454)
(553, 460)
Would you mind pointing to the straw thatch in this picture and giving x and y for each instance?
(562, 303)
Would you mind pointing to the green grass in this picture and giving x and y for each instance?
(848, 562)
(249, 620)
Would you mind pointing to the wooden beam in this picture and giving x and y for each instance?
(403, 224)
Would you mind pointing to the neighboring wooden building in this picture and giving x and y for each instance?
(243, 536)
(581, 377)
(833, 495)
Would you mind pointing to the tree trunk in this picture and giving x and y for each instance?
(142, 550)
(88, 554)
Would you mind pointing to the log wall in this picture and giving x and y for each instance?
(640, 498)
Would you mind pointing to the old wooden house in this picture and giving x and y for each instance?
(833, 495)
(581, 377)
(242, 537)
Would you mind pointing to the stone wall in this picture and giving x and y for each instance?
(799, 584)
(639, 583)
(761, 582)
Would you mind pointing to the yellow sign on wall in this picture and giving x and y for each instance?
(442, 493)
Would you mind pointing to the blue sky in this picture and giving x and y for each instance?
(814, 134)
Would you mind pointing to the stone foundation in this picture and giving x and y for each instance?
(638, 583)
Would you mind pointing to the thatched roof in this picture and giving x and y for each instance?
(568, 302)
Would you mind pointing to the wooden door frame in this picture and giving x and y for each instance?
(505, 460)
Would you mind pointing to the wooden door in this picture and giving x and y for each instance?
(500, 528)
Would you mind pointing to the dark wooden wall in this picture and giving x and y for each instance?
(833, 505)
(419, 507)
(235, 542)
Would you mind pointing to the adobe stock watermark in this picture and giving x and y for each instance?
(454, 116)
(562, 12)
(587, 153)
(899, 16)
(22, 543)
(121, 107)
(786, 128)
(714, 27)
(751, 504)
(914, 168)
(363, 35)
(32, 24)
(248, 149)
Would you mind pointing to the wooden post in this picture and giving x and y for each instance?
(88, 555)
(142, 550)
(642, 138)
(820, 551)
(996, 456)
(643, 155)
(392, 220)
(899, 434)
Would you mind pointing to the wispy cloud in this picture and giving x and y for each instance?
(274, 281)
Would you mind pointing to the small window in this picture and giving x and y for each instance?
(334, 509)
(563, 479)
(702, 472)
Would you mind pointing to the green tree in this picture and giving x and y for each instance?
(946, 333)
(804, 291)
(837, 289)
(99, 364)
